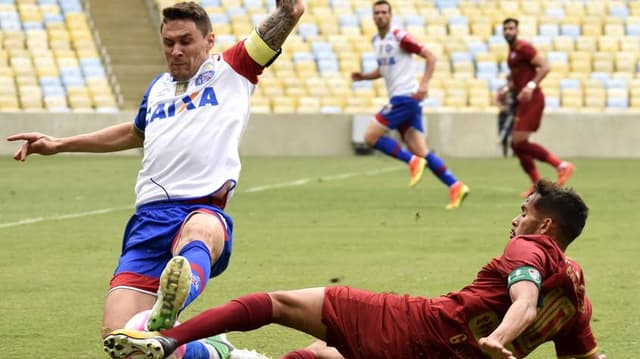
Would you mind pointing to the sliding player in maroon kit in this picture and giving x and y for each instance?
(528, 68)
(529, 295)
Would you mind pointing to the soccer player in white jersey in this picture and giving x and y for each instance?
(394, 49)
(189, 125)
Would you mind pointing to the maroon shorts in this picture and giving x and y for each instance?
(368, 325)
(529, 114)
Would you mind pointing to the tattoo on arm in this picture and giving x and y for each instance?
(277, 26)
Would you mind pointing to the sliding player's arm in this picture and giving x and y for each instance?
(114, 138)
(279, 24)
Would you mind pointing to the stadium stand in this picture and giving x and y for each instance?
(51, 60)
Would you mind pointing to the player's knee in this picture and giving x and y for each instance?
(370, 139)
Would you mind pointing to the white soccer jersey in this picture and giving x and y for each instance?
(395, 61)
(191, 139)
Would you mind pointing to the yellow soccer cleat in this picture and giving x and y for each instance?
(416, 166)
(125, 343)
(457, 193)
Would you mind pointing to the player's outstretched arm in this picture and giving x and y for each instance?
(521, 313)
(279, 24)
(115, 138)
(372, 75)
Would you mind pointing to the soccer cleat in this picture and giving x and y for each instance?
(565, 170)
(457, 193)
(175, 284)
(124, 343)
(220, 344)
(416, 167)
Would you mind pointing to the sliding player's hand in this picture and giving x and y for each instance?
(35, 143)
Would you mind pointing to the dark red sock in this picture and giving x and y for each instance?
(242, 314)
(300, 354)
(526, 162)
(540, 153)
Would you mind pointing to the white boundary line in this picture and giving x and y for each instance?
(298, 182)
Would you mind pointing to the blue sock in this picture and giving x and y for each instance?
(196, 350)
(392, 148)
(437, 166)
(199, 257)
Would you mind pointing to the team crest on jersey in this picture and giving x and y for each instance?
(204, 77)
(388, 48)
(512, 55)
(192, 101)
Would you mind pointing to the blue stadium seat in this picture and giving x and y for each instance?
(52, 18)
(548, 30)
(618, 102)
(555, 12)
(458, 56)
(211, 3)
(615, 83)
(557, 56)
(348, 20)
(633, 29)
(551, 102)
(307, 30)
(486, 69)
(619, 11)
(476, 47)
(414, 20)
(431, 102)
(458, 20)
(602, 76)
(446, 4)
(328, 66)
(219, 18)
(48, 2)
(496, 83)
(299, 56)
(572, 30)
(569, 84)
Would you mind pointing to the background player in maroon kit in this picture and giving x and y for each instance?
(528, 68)
(529, 295)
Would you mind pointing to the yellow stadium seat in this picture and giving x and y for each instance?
(591, 30)
(308, 104)
(586, 44)
(608, 43)
(563, 43)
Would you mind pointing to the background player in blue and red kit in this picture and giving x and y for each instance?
(531, 294)
(394, 49)
(528, 68)
(189, 124)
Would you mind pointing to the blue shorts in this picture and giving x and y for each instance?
(401, 113)
(150, 236)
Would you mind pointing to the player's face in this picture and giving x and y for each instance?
(185, 48)
(510, 32)
(382, 16)
(529, 221)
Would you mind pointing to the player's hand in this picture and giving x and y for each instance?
(357, 76)
(495, 349)
(35, 143)
(525, 95)
(421, 94)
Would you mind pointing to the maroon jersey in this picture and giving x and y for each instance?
(522, 71)
(455, 322)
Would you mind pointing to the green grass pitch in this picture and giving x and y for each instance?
(300, 222)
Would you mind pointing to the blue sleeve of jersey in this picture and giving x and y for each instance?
(140, 121)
